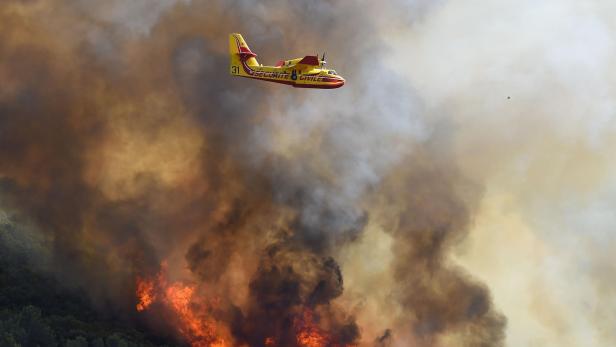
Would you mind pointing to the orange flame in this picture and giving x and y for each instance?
(145, 293)
(194, 321)
(190, 310)
(308, 333)
(198, 329)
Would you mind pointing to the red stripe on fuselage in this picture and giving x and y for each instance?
(319, 86)
(296, 85)
(251, 72)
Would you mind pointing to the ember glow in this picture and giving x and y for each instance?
(145, 293)
(308, 333)
(190, 311)
(199, 329)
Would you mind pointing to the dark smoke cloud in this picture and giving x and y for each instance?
(125, 140)
(287, 281)
(433, 205)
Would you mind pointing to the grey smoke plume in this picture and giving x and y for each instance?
(124, 139)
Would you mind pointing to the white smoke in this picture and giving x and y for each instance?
(529, 87)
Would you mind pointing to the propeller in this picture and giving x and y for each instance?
(323, 62)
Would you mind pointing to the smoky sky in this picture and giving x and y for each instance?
(124, 140)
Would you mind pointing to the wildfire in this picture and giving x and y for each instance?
(145, 293)
(197, 328)
(192, 315)
(191, 311)
(308, 333)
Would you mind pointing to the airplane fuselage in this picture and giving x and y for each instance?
(315, 78)
(307, 72)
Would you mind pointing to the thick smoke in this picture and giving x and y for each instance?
(126, 142)
(434, 216)
(529, 88)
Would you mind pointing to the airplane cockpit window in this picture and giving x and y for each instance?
(331, 72)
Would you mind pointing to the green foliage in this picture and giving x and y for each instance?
(26, 328)
(35, 311)
(116, 341)
(79, 341)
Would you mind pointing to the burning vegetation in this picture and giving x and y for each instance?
(309, 334)
(189, 312)
(193, 314)
(126, 146)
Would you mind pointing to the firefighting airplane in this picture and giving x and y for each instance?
(306, 72)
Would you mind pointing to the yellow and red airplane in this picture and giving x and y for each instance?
(306, 72)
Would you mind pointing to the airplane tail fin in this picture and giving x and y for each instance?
(239, 53)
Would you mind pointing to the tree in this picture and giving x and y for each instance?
(79, 341)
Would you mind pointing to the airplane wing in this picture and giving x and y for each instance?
(308, 61)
